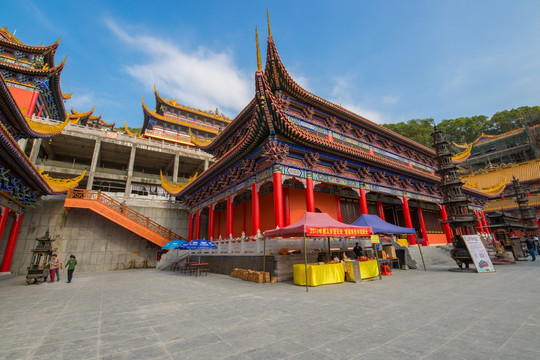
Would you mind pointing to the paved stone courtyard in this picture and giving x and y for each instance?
(152, 314)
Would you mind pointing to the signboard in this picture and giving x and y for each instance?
(375, 239)
(478, 253)
(332, 231)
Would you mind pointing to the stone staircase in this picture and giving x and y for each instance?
(433, 255)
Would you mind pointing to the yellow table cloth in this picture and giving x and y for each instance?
(368, 269)
(360, 270)
(319, 274)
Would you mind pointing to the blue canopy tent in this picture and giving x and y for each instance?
(200, 244)
(378, 225)
(173, 244)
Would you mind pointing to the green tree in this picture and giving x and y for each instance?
(464, 129)
(418, 130)
(506, 120)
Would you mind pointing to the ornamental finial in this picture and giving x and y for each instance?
(259, 67)
(268, 19)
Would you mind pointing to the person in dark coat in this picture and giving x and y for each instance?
(357, 250)
(530, 247)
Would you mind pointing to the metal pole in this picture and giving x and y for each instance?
(422, 256)
(374, 247)
(264, 261)
(305, 262)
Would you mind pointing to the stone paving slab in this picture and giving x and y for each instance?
(152, 314)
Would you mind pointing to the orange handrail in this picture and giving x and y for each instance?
(139, 218)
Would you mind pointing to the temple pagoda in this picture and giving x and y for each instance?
(31, 107)
(289, 151)
(182, 124)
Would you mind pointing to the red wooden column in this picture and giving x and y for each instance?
(278, 199)
(229, 216)
(190, 227)
(310, 196)
(286, 207)
(198, 225)
(244, 217)
(255, 212)
(422, 225)
(210, 221)
(484, 222)
(478, 224)
(408, 221)
(446, 228)
(338, 208)
(537, 223)
(33, 102)
(380, 210)
(363, 202)
(10, 246)
(3, 219)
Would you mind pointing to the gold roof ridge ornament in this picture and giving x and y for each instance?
(268, 20)
(259, 67)
(60, 186)
(172, 188)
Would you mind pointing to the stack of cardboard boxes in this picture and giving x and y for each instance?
(251, 275)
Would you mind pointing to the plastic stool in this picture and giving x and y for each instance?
(385, 270)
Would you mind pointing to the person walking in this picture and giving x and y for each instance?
(60, 266)
(53, 267)
(530, 247)
(70, 265)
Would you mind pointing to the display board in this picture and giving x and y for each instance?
(478, 253)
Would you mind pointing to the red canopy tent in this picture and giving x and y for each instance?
(318, 224)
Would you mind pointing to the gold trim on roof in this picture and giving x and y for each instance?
(46, 129)
(59, 186)
(208, 113)
(67, 96)
(460, 146)
(11, 36)
(172, 188)
(129, 132)
(199, 143)
(492, 190)
(462, 156)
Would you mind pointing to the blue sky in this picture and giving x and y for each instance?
(389, 61)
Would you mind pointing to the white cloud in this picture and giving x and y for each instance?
(341, 95)
(200, 78)
(80, 102)
(300, 80)
(390, 99)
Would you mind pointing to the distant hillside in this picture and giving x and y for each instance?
(467, 129)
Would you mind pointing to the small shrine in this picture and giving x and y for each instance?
(41, 255)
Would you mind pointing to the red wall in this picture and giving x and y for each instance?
(266, 204)
(326, 203)
(297, 201)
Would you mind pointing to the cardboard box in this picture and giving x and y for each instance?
(390, 251)
(381, 254)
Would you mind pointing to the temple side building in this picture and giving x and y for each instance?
(29, 86)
